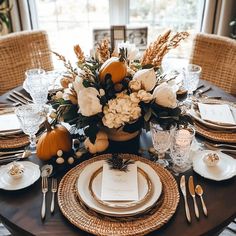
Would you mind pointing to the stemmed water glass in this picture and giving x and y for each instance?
(37, 85)
(161, 139)
(30, 116)
(191, 76)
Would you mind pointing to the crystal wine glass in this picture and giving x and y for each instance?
(37, 85)
(180, 149)
(161, 139)
(31, 116)
(191, 76)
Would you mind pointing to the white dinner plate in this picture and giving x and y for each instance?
(31, 174)
(225, 168)
(144, 190)
(9, 122)
(211, 125)
(85, 195)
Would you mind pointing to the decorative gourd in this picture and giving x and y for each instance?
(114, 66)
(57, 138)
(100, 145)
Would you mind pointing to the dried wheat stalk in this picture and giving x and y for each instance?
(154, 54)
(79, 54)
(73, 73)
(102, 51)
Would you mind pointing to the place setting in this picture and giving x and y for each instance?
(140, 194)
(14, 118)
(215, 119)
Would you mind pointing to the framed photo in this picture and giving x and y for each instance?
(117, 34)
(100, 34)
(138, 36)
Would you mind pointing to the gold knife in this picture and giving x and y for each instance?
(192, 192)
(183, 190)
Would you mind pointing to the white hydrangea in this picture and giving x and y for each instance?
(120, 111)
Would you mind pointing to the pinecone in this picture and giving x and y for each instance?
(117, 162)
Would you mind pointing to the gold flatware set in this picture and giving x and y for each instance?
(193, 192)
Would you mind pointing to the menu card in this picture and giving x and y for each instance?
(9, 121)
(217, 113)
(119, 185)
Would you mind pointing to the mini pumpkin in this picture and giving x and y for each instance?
(115, 67)
(56, 138)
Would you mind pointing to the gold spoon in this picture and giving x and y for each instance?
(199, 192)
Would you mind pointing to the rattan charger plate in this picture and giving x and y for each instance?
(97, 224)
(218, 136)
(227, 136)
(15, 141)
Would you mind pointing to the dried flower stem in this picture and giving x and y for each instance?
(154, 54)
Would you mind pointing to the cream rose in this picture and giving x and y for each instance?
(78, 84)
(88, 101)
(134, 98)
(164, 96)
(135, 85)
(144, 96)
(147, 77)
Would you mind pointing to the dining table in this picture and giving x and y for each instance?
(20, 210)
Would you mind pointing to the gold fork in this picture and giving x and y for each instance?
(44, 191)
(53, 190)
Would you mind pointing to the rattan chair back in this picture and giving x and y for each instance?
(217, 57)
(22, 51)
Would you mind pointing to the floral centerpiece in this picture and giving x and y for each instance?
(112, 95)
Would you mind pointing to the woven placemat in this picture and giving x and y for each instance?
(218, 136)
(98, 224)
(18, 140)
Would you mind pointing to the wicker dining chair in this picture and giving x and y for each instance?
(217, 57)
(22, 51)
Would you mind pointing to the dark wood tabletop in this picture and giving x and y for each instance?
(20, 210)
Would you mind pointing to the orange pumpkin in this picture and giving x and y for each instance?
(57, 138)
(115, 67)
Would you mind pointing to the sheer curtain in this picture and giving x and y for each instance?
(23, 15)
(217, 15)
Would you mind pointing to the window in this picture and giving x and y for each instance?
(72, 21)
(159, 15)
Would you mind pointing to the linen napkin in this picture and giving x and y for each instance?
(217, 113)
(9, 121)
(119, 185)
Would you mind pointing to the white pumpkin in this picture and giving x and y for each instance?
(100, 145)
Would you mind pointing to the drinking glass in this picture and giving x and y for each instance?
(30, 116)
(180, 149)
(161, 140)
(191, 76)
(37, 85)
